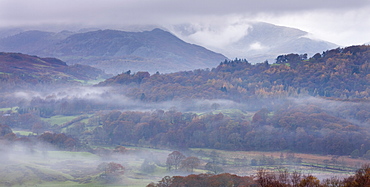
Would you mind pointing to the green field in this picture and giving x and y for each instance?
(233, 113)
(23, 133)
(13, 109)
(59, 119)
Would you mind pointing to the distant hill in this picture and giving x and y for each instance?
(263, 41)
(116, 51)
(5, 32)
(32, 42)
(17, 68)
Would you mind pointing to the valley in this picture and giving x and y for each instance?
(74, 125)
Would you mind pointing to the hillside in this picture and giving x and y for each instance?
(340, 73)
(31, 70)
(262, 41)
(116, 51)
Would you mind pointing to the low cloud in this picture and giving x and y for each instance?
(256, 46)
(213, 33)
(342, 22)
(107, 96)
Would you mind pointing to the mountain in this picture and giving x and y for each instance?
(261, 41)
(116, 51)
(5, 32)
(17, 68)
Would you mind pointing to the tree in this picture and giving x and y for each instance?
(174, 159)
(260, 116)
(355, 153)
(120, 149)
(333, 181)
(37, 128)
(202, 180)
(190, 163)
(166, 181)
(309, 181)
(361, 178)
(295, 178)
(4, 129)
(147, 166)
(112, 171)
(367, 155)
(214, 168)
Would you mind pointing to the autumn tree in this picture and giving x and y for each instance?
(260, 117)
(120, 149)
(37, 128)
(202, 180)
(309, 181)
(4, 130)
(111, 171)
(190, 163)
(174, 160)
(361, 177)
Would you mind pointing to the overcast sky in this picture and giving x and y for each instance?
(342, 22)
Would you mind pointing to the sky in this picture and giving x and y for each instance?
(342, 22)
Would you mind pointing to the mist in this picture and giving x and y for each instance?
(223, 133)
(37, 162)
(107, 96)
(352, 111)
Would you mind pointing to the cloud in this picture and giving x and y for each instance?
(257, 46)
(213, 32)
(343, 27)
(342, 22)
(149, 11)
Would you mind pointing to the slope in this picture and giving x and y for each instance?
(116, 51)
(25, 69)
(340, 73)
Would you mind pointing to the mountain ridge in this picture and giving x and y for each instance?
(117, 51)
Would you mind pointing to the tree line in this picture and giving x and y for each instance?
(305, 129)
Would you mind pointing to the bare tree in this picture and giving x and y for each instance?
(295, 178)
(174, 159)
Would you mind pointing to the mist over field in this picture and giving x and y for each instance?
(41, 163)
(108, 96)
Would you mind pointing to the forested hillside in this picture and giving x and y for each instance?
(24, 71)
(340, 73)
(304, 128)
